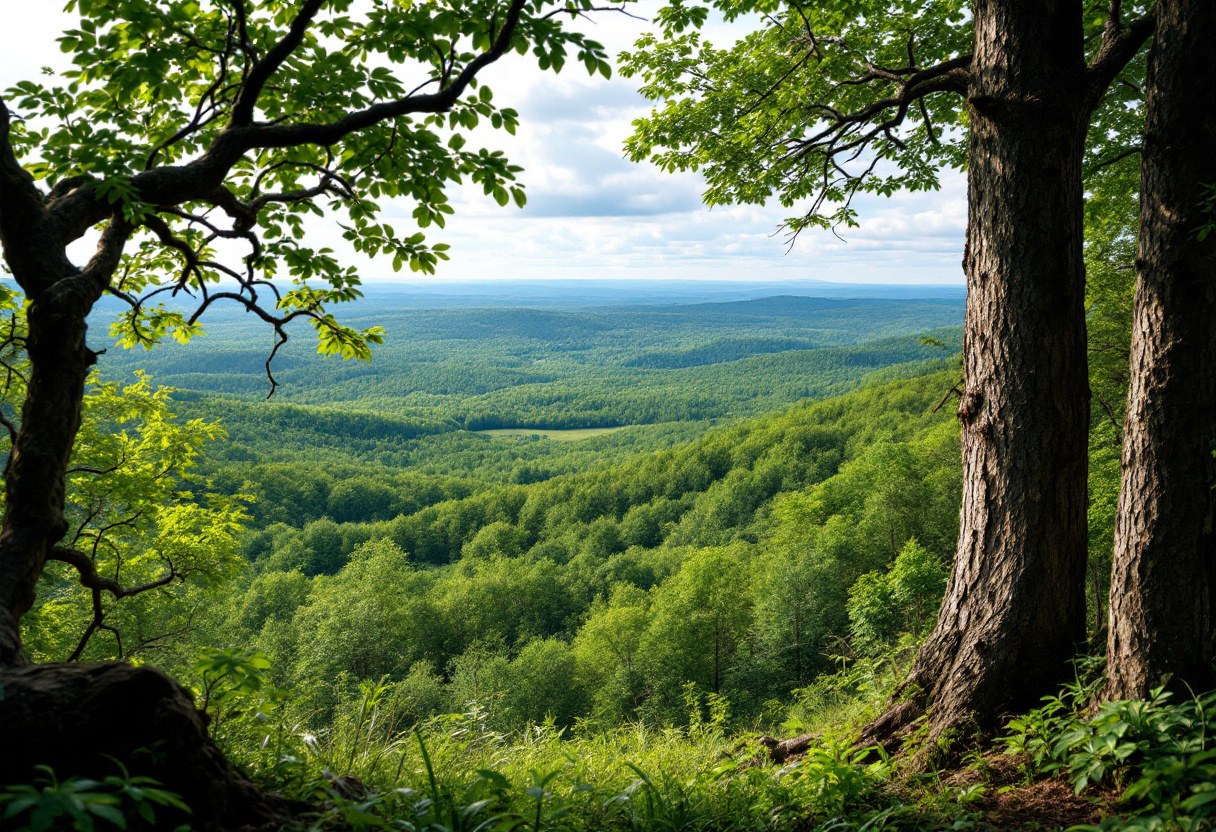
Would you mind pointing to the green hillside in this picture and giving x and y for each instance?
(789, 508)
(570, 368)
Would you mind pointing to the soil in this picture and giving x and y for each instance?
(1008, 803)
(1011, 803)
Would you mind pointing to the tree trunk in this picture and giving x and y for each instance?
(1161, 581)
(79, 719)
(1015, 605)
(35, 477)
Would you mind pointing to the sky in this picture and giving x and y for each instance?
(592, 213)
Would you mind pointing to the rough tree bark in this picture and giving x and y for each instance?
(1014, 609)
(61, 296)
(34, 489)
(1160, 594)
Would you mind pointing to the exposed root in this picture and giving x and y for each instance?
(781, 751)
(891, 729)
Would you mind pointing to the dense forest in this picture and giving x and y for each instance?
(495, 572)
(591, 367)
(771, 563)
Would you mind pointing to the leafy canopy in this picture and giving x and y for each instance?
(829, 99)
(202, 135)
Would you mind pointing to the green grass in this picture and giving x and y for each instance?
(567, 435)
(455, 773)
(370, 766)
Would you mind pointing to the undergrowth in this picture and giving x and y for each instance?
(1157, 754)
(370, 766)
(119, 801)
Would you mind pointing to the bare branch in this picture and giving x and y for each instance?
(304, 193)
(1118, 157)
(1110, 413)
(956, 390)
(165, 234)
(242, 28)
(90, 578)
(81, 469)
(577, 12)
(280, 338)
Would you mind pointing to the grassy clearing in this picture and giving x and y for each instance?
(570, 435)
(367, 764)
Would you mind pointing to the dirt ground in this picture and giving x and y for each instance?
(1011, 803)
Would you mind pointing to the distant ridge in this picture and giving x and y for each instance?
(592, 292)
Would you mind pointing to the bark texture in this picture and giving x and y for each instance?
(34, 479)
(1160, 598)
(75, 718)
(1015, 608)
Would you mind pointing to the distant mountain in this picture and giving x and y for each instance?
(592, 292)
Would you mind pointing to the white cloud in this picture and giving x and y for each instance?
(592, 213)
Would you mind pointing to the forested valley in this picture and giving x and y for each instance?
(644, 560)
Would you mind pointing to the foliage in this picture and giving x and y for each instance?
(570, 368)
(455, 772)
(698, 620)
(1111, 222)
(602, 595)
(81, 804)
(757, 116)
(653, 610)
(820, 102)
(883, 606)
(271, 112)
(141, 515)
(1157, 752)
(233, 684)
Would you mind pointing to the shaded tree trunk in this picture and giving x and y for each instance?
(1160, 594)
(1015, 606)
(35, 477)
(80, 719)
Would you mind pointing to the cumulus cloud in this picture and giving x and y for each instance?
(593, 213)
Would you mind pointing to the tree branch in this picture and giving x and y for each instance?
(11, 428)
(949, 76)
(100, 472)
(578, 12)
(293, 135)
(242, 113)
(90, 578)
(105, 261)
(25, 230)
(845, 136)
(1118, 157)
(1111, 413)
(75, 212)
(1119, 45)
